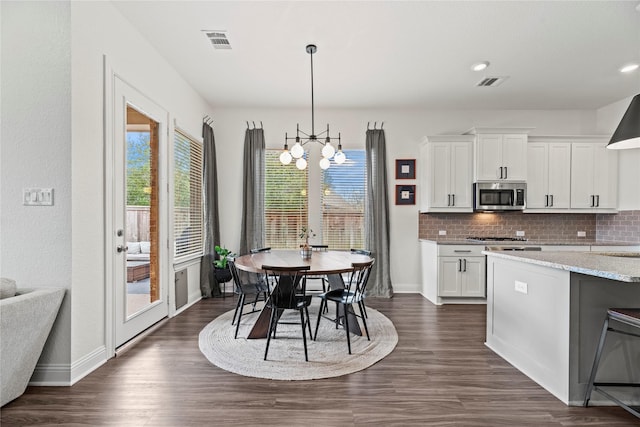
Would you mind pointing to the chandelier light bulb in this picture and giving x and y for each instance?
(301, 163)
(285, 158)
(328, 151)
(297, 151)
(340, 158)
(324, 163)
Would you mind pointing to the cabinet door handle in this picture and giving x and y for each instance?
(465, 265)
(546, 200)
(598, 200)
(459, 264)
(506, 172)
(462, 251)
(453, 200)
(448, 199)
(500, 172)
(551, 197)
(593, 202)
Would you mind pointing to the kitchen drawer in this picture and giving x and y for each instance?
(460, 250)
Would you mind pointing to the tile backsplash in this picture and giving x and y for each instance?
(621, 227)
(549, 227)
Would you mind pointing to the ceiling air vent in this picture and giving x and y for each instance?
(218, 39)
(491, 81)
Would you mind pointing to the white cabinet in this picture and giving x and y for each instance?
(594, 177)
(447, 179)
(461, 271)
(501, 157)
(548, 175)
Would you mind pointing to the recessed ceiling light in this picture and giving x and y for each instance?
(629, 68)
(479, 66)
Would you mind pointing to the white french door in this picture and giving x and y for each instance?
(139, 206)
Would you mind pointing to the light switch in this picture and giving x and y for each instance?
(37, 196)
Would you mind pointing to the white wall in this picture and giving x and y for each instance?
(52, 136)
(608, 119)
(98, 29)
(405, 129)
(35, 245)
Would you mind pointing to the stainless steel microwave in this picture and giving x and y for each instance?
(499, 196)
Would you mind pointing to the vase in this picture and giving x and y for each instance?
(305, 252)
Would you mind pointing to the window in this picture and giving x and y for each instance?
(338, 192)
(343, 195)
(188, 208)
(286, 208)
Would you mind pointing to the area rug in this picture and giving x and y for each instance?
(328, 356)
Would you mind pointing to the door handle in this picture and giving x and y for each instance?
(465, 265)
(122, 248)
(551, 200)
(506, 172)
(593, 200)
(546, 200)
(459, 264)
(448, 199)
(597, 200)
(453, 200)
(500, 172)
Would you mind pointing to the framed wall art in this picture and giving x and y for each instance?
(406, 169)
(405, 194)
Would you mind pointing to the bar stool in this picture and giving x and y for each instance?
(626, 316)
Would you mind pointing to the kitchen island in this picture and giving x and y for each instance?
(545, 312)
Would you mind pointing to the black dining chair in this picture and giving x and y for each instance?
(361, 252)
(344, 299)
(288, 293)
(257, 289)
(322, 277)
(258, 250)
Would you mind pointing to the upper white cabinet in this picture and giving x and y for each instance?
(594, 177)
(447, 184)
(548, 175)
(500, 155)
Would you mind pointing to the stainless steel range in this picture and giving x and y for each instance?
(505, 246)
(496, 239)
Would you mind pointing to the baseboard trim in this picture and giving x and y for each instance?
(61, 375)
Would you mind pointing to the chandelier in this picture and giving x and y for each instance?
(297, 152)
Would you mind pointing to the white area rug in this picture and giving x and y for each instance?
(328, 356)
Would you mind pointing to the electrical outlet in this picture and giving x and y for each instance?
(520, 233)
(521, 287)
(582, 233)
(442, 233)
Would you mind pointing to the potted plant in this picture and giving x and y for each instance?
(305, 249)
(221, 267)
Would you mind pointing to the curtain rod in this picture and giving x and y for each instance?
(208, 120)
(254, 125)
(375, 124)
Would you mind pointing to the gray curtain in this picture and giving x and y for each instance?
(208, 283)
(252, 233)
(377, 214)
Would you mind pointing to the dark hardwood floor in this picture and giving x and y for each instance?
(440, 374)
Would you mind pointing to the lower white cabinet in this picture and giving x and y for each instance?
(453, 273)
(462, 276)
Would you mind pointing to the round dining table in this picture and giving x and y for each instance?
(322, 262)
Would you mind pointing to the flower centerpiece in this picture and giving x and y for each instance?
(305, 249)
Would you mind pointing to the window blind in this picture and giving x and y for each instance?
(188, 220)
(286, 206)
(343, 196)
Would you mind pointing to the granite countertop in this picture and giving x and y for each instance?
(622, 268)
(449, 241)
